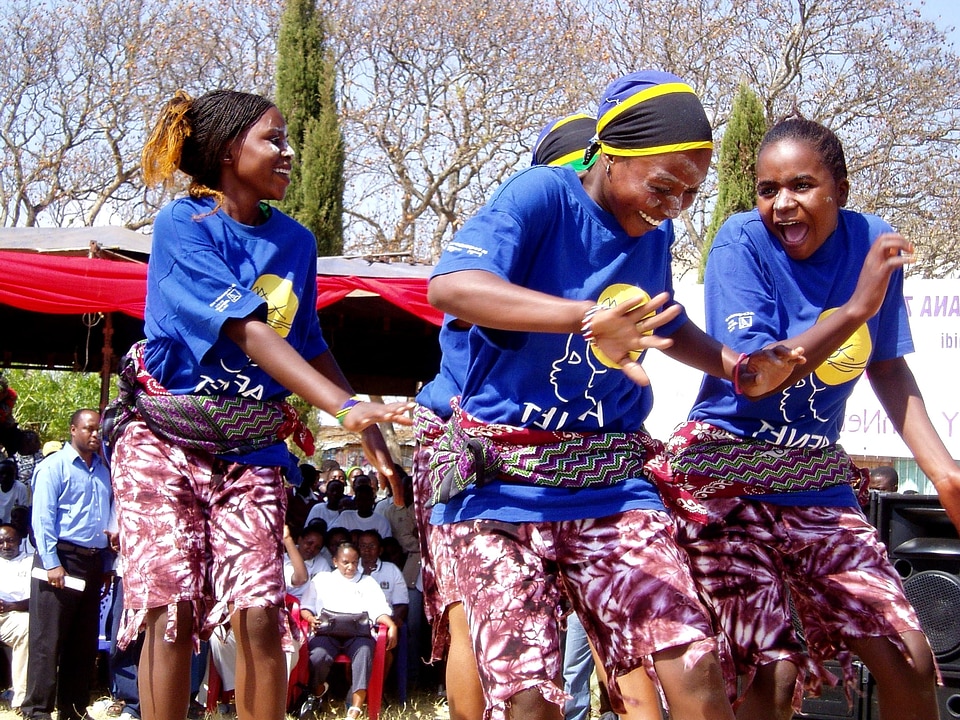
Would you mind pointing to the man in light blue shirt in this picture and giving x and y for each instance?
(71, 513)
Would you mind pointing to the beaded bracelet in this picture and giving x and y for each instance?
(586, 326)
(736, 373)
(346, 407)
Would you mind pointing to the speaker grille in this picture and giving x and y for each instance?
(935, 595)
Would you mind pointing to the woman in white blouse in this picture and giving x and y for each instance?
(345, 591)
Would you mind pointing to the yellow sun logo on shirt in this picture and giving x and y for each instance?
(849, 360)
(282, 302)
(611, 297)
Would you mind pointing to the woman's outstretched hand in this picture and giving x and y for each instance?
(364, 414)
(763, 371)
(624, 331)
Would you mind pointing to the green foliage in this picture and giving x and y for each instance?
(736, 170)
(310, 417)
(46, 399)
(306, 95)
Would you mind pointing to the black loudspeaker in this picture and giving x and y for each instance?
(925, 549)
(948, 697)
(832, 703)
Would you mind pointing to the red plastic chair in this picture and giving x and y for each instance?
(299, 677)
(375, 686)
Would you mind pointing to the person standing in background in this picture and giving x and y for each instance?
(12, 492)
(28, 456)
(71, 513)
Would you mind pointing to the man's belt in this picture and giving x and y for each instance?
(68, 546)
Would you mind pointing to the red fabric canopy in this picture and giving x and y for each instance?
(75, 285)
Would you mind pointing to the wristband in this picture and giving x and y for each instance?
(586, 325)
(346, 407)
(736, 373)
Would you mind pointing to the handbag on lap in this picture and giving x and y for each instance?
(344, 625)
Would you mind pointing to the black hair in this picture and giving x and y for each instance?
(317, 525)
(77, 414)
(192, 135)
(328, 465)
(371, 532)
(821, 138)
(345, 545)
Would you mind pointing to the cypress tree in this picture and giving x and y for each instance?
(306, 95)
(736, 170)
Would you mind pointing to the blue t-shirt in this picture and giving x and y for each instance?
(206, 269)
(448, 383)
(542, 231)
(755, 294)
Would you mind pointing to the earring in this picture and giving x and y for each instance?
(609, 165)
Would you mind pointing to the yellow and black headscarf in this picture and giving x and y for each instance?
(650, 113)
(564, 142)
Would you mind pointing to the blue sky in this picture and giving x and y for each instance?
(944, 13)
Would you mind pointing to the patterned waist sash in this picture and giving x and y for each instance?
(427, 425)
(702, 461)
(471, 452)
(217, 424)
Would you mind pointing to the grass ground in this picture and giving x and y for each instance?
(419, 706)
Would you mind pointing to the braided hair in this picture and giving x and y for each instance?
(192, 135)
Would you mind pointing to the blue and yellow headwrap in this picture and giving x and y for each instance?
(650, 113)
(564, 142)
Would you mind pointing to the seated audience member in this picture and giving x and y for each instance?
(362, 478)
(329, 469)
(15, 568)
(388, 577)
(381, 486)
(301, 499)
(355, 475)
(313, 554)
(884, 479)
(336, 536)
(391, 551)
(344, 590)
(352, 473)
(330, 510)
(403, 526)
(387, 574)
(20, 519)
(12, 493)
(364, 518)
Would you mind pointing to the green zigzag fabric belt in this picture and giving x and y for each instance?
(217, 424)
(702, 461)
(471, 453)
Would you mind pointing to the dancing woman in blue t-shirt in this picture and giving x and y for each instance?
(541, 465)
(775, 515)
(198, 433)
